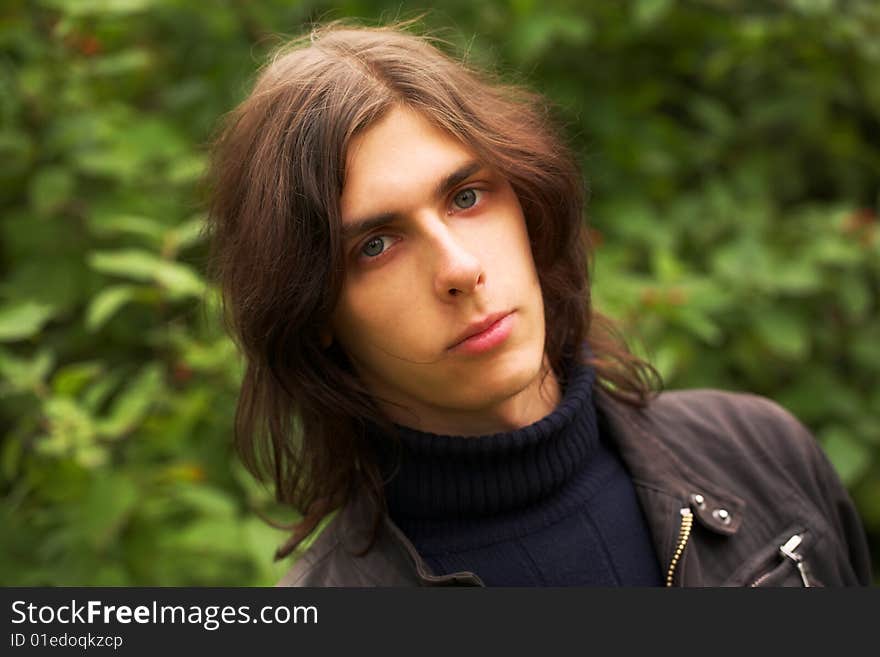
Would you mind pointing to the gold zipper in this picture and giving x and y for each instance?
(684, 533)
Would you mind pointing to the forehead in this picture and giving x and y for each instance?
(403, 154)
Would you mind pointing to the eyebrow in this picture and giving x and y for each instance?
(356, 228)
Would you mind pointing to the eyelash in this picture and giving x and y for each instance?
(360, 250)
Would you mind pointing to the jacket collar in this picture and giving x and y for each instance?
(642, 436)
(393, 554)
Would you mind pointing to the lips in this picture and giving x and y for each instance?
(480, 326)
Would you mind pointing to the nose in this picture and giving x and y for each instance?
(457, 270)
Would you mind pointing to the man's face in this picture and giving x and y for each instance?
(446, 248)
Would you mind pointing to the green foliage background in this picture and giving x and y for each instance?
(732, 151)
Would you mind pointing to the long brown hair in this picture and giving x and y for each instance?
(276, 179)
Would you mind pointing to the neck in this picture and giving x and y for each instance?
(535, 401)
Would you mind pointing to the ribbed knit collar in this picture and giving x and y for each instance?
(458, 477)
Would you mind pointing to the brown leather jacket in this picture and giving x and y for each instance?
(735, 490)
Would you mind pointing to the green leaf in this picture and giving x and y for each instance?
(209, 356)
(129, 224)
(307, 542)
(186, 170)
(837, 252)
(106, 303)
(128, 263)
(797, 278)
(207, 536)
(109, 502)
(666, 360)
(97, 393)
(26, 375)
(814, 7)
(123, 63)
(648, 12)
(179, 279)
(132, 404)
(70, 379)
(70, 427)
(23, 320)
(97, 7)
(699, 324)
(58, 280)
(207, 500)
(187, 233)
(261, 541)
(91, 456)
(667, 266)
(746, 263)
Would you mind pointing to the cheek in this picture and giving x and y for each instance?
(371, 318)
(510, 244)
(356, 318)
(510, 255)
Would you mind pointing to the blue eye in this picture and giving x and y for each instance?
(465, 199)
(374, 247)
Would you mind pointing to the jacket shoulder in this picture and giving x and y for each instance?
(745, 439)
(337, 558)
(752, 444)
(313, 568)
(735, 425)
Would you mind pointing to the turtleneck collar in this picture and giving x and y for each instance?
(458, 477)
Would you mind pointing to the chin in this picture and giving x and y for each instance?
(500, 380)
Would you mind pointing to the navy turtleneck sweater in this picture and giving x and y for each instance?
(549, 504)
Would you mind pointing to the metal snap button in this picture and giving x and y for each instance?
(698, 500)
(721, 515)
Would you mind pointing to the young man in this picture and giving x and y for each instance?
(401, 248)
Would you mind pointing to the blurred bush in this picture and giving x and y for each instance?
(732, 150)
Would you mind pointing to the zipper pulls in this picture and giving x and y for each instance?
(684, 533)
(788, 551)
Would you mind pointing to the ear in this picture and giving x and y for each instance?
(326, 338)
